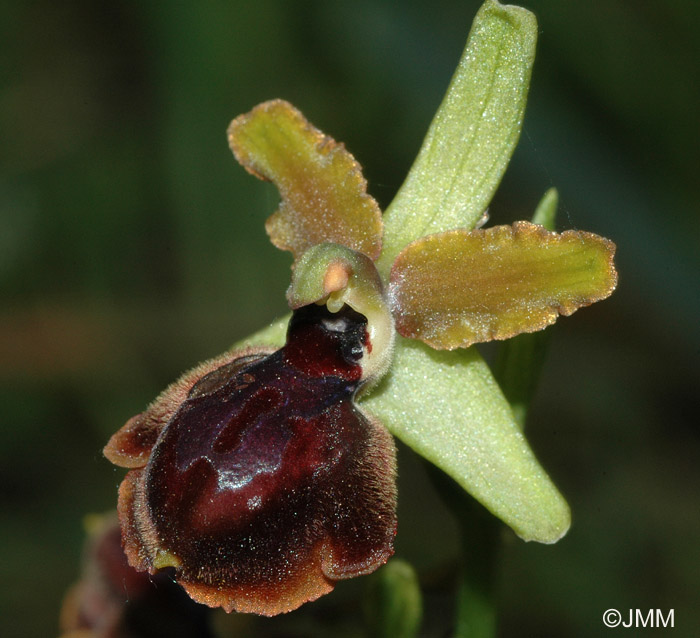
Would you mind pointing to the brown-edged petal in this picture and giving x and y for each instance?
(457, 288)
(324, 195)
(268, 484)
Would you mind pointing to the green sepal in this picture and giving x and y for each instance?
(273, 335)
(546, 211)
(472, 136)
(448, 408)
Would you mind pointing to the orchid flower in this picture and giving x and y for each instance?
(267, 474)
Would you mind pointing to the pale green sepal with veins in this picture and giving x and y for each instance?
(336, 275)
(472, 136)
(448, 408)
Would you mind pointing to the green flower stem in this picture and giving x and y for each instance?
(476, 606)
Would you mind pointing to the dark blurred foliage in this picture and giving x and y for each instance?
(132, 246)
(113, 600)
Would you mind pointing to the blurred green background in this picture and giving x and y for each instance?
(132, 246)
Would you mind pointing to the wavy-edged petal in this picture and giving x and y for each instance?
(461, 287)
(519, 360)
(449, 409)
(324, 195)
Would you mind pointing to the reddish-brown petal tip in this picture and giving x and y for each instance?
(305, 584)
(131, 445)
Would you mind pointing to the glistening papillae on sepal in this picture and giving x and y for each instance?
(266, 484)
(447, 407)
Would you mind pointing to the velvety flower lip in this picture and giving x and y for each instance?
(445, 404)
(266, 484)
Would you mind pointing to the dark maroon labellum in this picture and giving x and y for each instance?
(268, 483)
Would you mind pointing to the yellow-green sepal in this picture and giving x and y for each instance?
(472, 136)
(449, 409)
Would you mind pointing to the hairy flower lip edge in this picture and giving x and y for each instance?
(504, 27)
(548, 528)
(150, 423)
(230, 598)
(145, 551)
(547, 536)
(492, 3)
